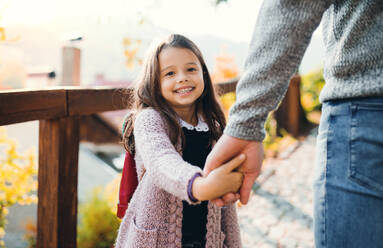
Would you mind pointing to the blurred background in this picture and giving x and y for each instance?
(109, 33)
(46, 44)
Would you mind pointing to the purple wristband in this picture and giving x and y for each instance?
(190, 187)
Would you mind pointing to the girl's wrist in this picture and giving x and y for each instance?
(190, 187)
(198, 188)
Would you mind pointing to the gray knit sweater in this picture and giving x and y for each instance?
(353, 37)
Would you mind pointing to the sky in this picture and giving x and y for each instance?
(233, 21)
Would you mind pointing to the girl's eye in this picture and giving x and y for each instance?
(192, 69)
(170, 73)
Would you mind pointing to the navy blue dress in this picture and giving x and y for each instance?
(194, 219)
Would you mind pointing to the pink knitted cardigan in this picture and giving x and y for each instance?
(154, 216)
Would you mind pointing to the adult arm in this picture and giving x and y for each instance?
(281, 35)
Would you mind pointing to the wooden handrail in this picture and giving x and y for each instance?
(23, 105)
(27, 105)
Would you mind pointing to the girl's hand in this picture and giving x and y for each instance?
(220, 181)
(227, 147)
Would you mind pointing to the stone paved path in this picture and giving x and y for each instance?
(279, 213)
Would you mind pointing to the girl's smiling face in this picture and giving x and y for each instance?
(181, 78)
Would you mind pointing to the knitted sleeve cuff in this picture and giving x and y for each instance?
(245, 133)
(190, 187)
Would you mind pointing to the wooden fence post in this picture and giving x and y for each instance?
(289, 114)
(57, 177)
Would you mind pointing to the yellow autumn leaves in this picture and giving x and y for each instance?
(227, 100)
(17, 178)
(131, 47)
(3, 37)
(225, 68)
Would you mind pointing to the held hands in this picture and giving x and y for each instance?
(226, 148)
(220, 181)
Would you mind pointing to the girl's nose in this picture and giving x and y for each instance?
(182, 78)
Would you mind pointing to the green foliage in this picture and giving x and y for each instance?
(99, 223)
(217, 2)
(311, 86)
(274, 143)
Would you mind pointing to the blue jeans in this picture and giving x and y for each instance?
(348, 178)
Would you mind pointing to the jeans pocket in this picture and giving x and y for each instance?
(366, 146)
(141, 238)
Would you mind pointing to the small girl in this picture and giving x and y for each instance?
(176, 120)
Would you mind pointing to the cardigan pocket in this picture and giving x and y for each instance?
(141, 238)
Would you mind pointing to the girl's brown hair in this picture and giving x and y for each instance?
(148, 94)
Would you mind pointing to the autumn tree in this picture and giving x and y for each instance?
(225, 68)
(17, 178)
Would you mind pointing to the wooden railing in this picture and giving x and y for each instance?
(59, 111)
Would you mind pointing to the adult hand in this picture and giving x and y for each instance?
(228, 147)
(220, 181)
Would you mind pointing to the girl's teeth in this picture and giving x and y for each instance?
(184, 90)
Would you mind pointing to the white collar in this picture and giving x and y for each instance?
(201, 126)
